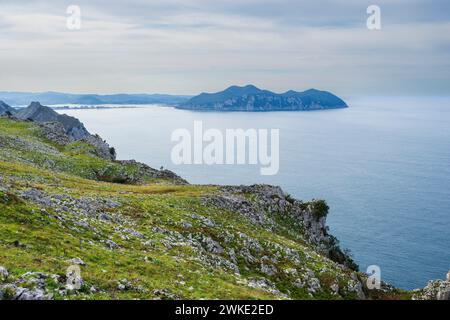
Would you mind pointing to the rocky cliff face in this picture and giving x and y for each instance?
(39, 113)
(64, 129)
(268, 204)
(134, 232)
(435, 290)
(6, 109)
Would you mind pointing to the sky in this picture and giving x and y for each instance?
(193, 46)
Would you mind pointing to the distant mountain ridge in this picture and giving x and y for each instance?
(251, 98)
(51, 98)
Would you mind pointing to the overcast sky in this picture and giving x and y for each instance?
(190, 46)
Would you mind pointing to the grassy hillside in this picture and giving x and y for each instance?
(151, 238)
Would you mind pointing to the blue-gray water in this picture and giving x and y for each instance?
(383, 165)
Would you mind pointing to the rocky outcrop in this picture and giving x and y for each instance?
(435, 290)
(102, 148)
(55, 132)
(30, 286)
(64, 129)
(268, 203)
(41, 285)
(6, 109)
(39, 113)
(143, 171)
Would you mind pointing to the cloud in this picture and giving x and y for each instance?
(199, 45)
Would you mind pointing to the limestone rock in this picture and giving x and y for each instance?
(76, 261)
(435, 290)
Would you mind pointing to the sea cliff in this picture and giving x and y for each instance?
(77, 224)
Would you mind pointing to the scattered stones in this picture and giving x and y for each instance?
(128, 231)
(268, 269)
(111, 244)
(209, 223)
(142, 170)
(86, 207)
(334, 287)
(291, 272)
(356, 287)
(204, 220)
(186, 225)
(29, 286)
(165, 294)
(212, 246)
(124, 284)
(313, 285)
(266, 285)
(245, 253)
(76, 261)
(13, 292)
(299, 283)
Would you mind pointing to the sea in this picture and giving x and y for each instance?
(382, 165)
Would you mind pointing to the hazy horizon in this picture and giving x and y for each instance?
(349, 96)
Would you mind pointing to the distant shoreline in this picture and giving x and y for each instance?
(118, 106)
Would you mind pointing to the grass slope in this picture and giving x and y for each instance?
(151, 241)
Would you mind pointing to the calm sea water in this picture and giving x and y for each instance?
(383, 165)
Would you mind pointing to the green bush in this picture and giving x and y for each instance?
(319, 208)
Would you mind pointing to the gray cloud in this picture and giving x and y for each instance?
(196, 45)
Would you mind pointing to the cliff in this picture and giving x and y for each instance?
(6, 109)
(133, 232)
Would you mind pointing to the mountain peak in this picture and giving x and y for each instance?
(312, 90)
(248, 89)
(36, 104)
(39, 113)
(6, 109)
(252, 87)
